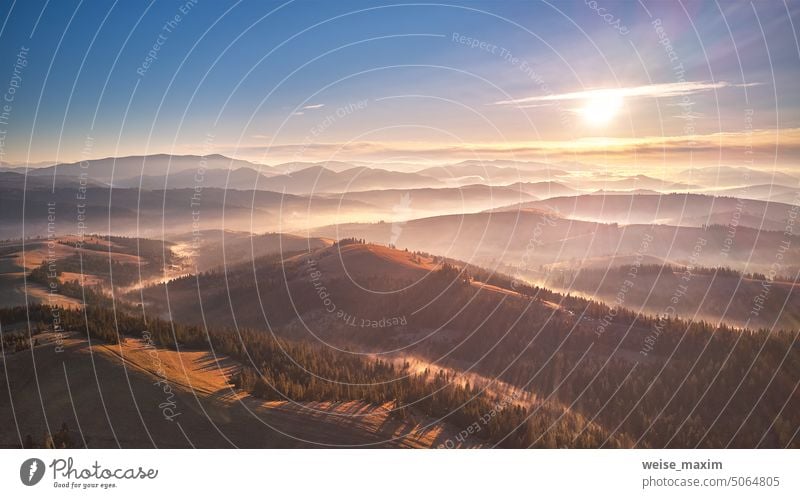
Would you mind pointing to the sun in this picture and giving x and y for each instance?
(601, 109)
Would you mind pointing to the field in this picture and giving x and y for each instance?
(116, 396)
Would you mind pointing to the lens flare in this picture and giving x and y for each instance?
(601, 110)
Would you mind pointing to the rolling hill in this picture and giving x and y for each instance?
(731, 176)
(209, 249)
(242, 178)
(525, 240)
(543, 190)
(714, 295)
(490, 173)
(318, 179)
(153, 213)
(669, 209)
(420, 202)
(381, 302)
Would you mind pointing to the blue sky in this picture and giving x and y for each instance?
(372, 81)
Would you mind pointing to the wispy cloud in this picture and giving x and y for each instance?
(309, 107)
(657, 90)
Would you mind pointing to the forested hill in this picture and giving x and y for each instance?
(661, 380)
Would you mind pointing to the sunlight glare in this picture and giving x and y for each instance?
(601, 109)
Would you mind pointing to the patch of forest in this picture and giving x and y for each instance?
(300, 371)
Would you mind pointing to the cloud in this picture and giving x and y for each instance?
(657, 90)
(309, 107)
(622, 150)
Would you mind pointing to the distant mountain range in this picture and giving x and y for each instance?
(490, 174)
(123, 168)
(18, 181)
(730, 176)
(164, 171)
(668, 209)
(216, 171)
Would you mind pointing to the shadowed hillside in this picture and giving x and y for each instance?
(523, 241)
